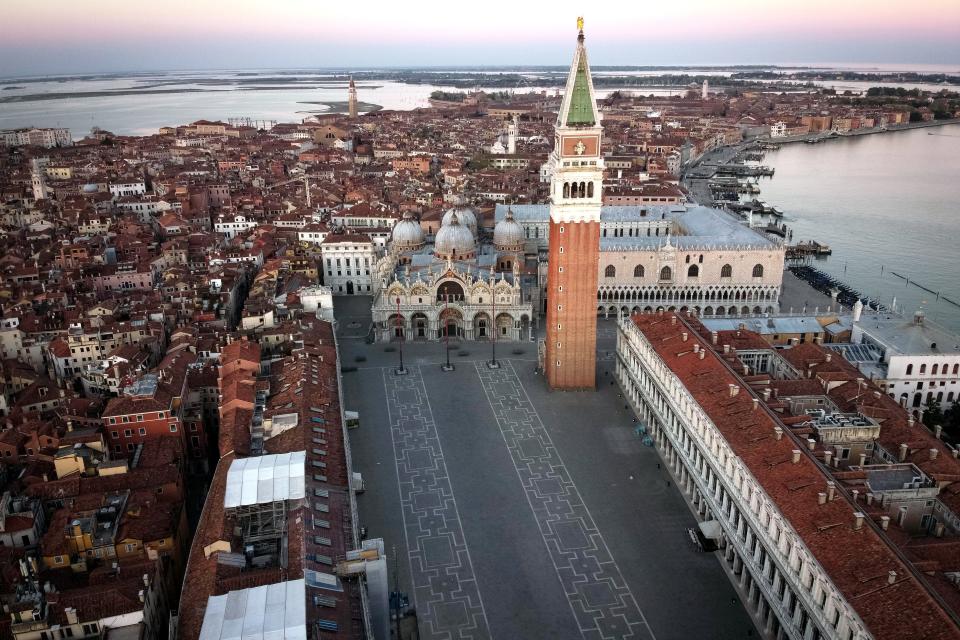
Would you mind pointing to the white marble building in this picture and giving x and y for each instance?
(674, 257)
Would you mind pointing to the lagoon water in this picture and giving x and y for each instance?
(884, 203)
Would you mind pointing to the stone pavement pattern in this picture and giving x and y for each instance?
(597, 593)
(445, 587)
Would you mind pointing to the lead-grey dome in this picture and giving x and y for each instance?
(508, 235)
(466, 216)
(407, 233)
(454, 240)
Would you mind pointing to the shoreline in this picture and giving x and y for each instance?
(824, 136)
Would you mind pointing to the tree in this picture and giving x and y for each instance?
(932, 414)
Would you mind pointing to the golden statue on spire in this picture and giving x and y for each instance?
(579, 23)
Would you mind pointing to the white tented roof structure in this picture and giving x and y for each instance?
(266, 479)
(270, 612)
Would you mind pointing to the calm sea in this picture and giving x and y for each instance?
(885, 203)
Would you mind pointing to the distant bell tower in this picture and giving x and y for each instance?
(706, 88)
(352, 99)
(512, 134)
(38, 181)
(575, 198)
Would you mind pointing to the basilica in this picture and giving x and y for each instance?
(457, 285)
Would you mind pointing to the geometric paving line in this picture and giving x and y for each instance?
(598, 595)
(445, 590)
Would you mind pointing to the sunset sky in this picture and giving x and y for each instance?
(57, 36)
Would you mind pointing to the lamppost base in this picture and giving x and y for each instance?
(493, 364)
(447, 367)
(400, 371)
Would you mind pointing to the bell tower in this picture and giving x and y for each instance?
(352, 99)
(575, 199)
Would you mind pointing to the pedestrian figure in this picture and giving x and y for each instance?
(658, 465)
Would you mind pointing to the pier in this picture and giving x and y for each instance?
(808, 248)
(825, 283)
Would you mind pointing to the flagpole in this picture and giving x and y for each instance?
(401, 370)
(446, 331)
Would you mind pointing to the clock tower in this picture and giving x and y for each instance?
(576, 188)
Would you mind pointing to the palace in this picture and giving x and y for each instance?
(666, 257)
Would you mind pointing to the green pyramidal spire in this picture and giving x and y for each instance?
(581, 103)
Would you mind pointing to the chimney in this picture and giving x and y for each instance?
(891, 577)
(796, 455)
(933, 453)
(146, 580)
(827, 457)
(910, 421)
(855, 494)
(756, 403)
(858, 521)
(811, 444)
(696, 348)
(937, 430)
(713, 337)
(141, 596)
(683, 336)
(876, 394)
(904, 449)
(869, 498)
(766, 395)
(821, 498)
(734, 389)
(726, 348)
(939, 530)
(702, 353)
(863, 459)
(831, 490)
(828, 357)
(673, 319)
(777, 433)
(884, 522)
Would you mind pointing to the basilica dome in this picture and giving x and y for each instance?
(454, 240)
(466, 216)
(508, 234)
(407, 233)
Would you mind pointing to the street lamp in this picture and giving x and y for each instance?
(446, 333)
(493, 364)
(401, 370)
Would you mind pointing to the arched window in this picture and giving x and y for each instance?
(610, 271)
(688, 259)
(589, 189)
(666, 273)
(700, 259)
(909, 369)
(566, 189)
(933, 371)
(923, 368)
(726, 271)
(956, 369)
(638, 271)
(758, 271)
(693, 271)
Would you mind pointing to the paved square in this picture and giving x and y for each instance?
(518, 513)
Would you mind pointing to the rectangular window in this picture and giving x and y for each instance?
(173, 428)
(127, 433)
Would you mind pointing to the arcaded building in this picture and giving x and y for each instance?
(683, 257)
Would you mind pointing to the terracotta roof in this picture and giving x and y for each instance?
(858, 561)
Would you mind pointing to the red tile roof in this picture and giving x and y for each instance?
(858, 561)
